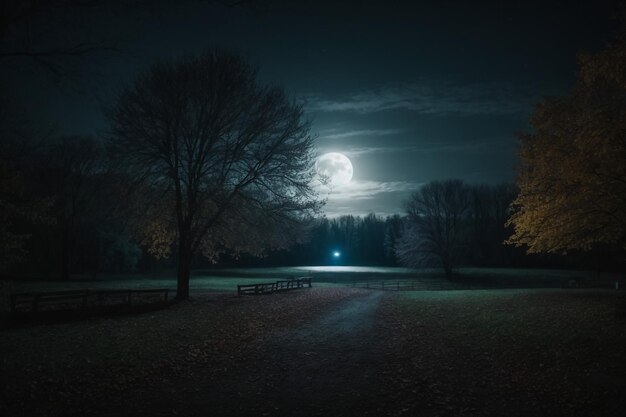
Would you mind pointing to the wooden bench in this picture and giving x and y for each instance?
(34, 302)
(271, 287)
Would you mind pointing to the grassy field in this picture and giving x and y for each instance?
(226, 280)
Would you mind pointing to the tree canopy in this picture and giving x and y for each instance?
(221, 161)
(572, 174)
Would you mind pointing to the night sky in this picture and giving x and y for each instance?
(410, 92)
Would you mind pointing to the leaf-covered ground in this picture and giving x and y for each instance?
(329, 351)
(514, 353)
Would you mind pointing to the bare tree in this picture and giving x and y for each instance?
(224, 163)
(434, 225)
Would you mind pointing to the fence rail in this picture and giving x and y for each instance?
(408, 285)
(33, 302)
(271, 287)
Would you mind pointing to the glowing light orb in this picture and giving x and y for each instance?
(336, 167)
(336, 254)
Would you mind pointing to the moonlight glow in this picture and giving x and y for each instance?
(336, 166)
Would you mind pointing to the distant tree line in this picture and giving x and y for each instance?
(357, 240)
(446, 224)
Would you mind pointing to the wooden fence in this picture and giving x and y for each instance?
(33, 302)
(271, 287)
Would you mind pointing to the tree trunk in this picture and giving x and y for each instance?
(620, 310)
(65, 253)
(184, 270)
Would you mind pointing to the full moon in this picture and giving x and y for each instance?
(336, 166)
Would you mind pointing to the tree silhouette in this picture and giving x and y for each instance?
(434, 230)
(221, 161)
(572, 176)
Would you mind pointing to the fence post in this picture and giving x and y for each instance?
(382, 284)
(398, 286)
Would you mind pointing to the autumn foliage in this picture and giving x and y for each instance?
(572, 174)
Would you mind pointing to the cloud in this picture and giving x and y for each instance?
(432, 98)
(365, 190)
(334, 134)
(364, 197)
(478, 146)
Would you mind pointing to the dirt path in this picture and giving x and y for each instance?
(326, 367)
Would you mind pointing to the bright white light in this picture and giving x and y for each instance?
(336, 254)
(336, 167)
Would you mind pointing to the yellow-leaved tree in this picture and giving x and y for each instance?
(572, 174)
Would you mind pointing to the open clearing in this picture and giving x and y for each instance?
(226, 280)
(330, 351)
